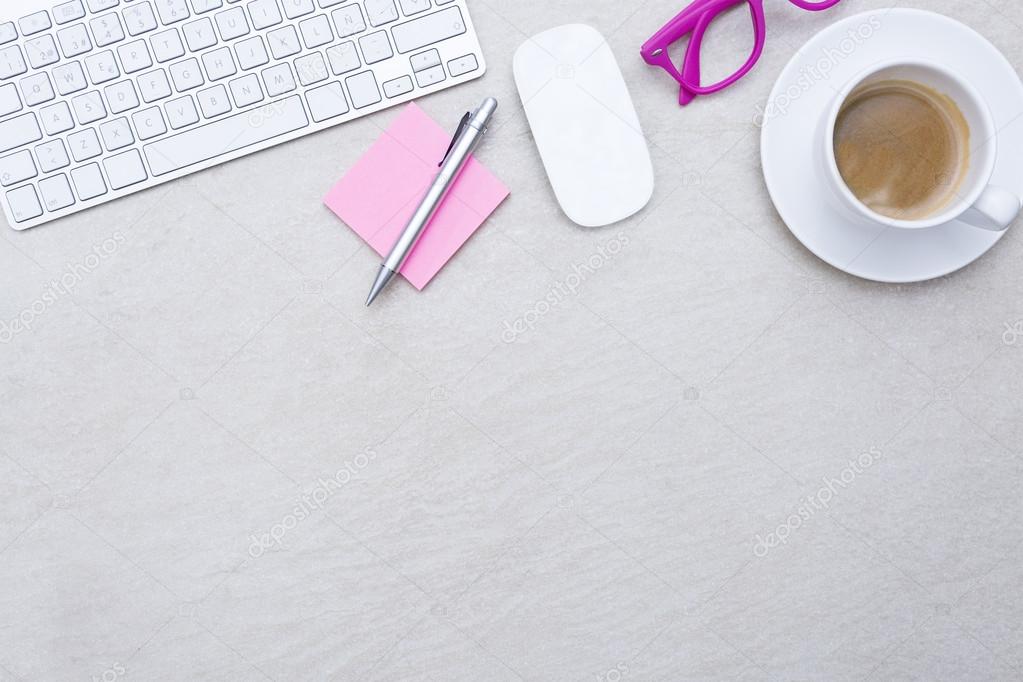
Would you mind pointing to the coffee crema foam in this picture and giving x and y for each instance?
(902, 148)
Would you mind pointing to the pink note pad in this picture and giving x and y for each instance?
(382, 190)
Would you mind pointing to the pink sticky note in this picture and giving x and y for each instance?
(382, 190)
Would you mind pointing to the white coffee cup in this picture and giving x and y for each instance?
(977, 201)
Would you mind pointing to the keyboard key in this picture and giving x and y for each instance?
(463, 65)
(56, 192)
(172, 11)
(37, 89)
(89, 107)
(200, 6)
(430, 76)
(213, 101)
(425, 60)
(167, 45)
(316, 31)
(134, 56)
(116, 134)
(181, 112)
(16, 168)
(219, 64)
(283, 42)
(69, 78)
(224, 136)
(326, 101)
(12, 62)
(149, 123)
(246, 90)
(294, 9)
(264, 14)
(19, 130)
(139, 18)
(84, 144)
(381, 12)
(100, 5)
(74, 40)
(154, 85)
(311, 69)
(363, 89)
(376, 47)
(428, 30)
(348, 21)
(186, 75)
(398, 87)
(89, 182)
(56, 118)
(251, 52)
(41, 51)
(410, 7)
(125, 169)
(107, 29)
(200, 34)
(278, 80)
(67, 12)
(9, 99)
(34, 23)
(343, 58)
(24, 203)
(7, 32)
(52, 155)
(121, 97)
(102, 67)
(232, 23)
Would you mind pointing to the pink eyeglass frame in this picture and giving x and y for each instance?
(695, 19)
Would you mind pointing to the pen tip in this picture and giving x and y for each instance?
(373, 296)
(383, 278)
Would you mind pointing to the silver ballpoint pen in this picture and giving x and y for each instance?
(471, 130)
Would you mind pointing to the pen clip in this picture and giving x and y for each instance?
(458, 132)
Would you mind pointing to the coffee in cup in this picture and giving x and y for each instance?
(902, 148)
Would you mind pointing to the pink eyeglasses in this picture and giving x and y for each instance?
(695, 19)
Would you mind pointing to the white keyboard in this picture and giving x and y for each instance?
(103, 98)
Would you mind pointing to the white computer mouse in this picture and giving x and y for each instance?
(584, 124)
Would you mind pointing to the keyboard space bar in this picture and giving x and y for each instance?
(226, 135)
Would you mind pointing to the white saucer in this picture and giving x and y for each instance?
(790, 139)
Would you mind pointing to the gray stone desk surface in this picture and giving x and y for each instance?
(618, 454)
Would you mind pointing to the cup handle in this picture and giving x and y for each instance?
(996, 209)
